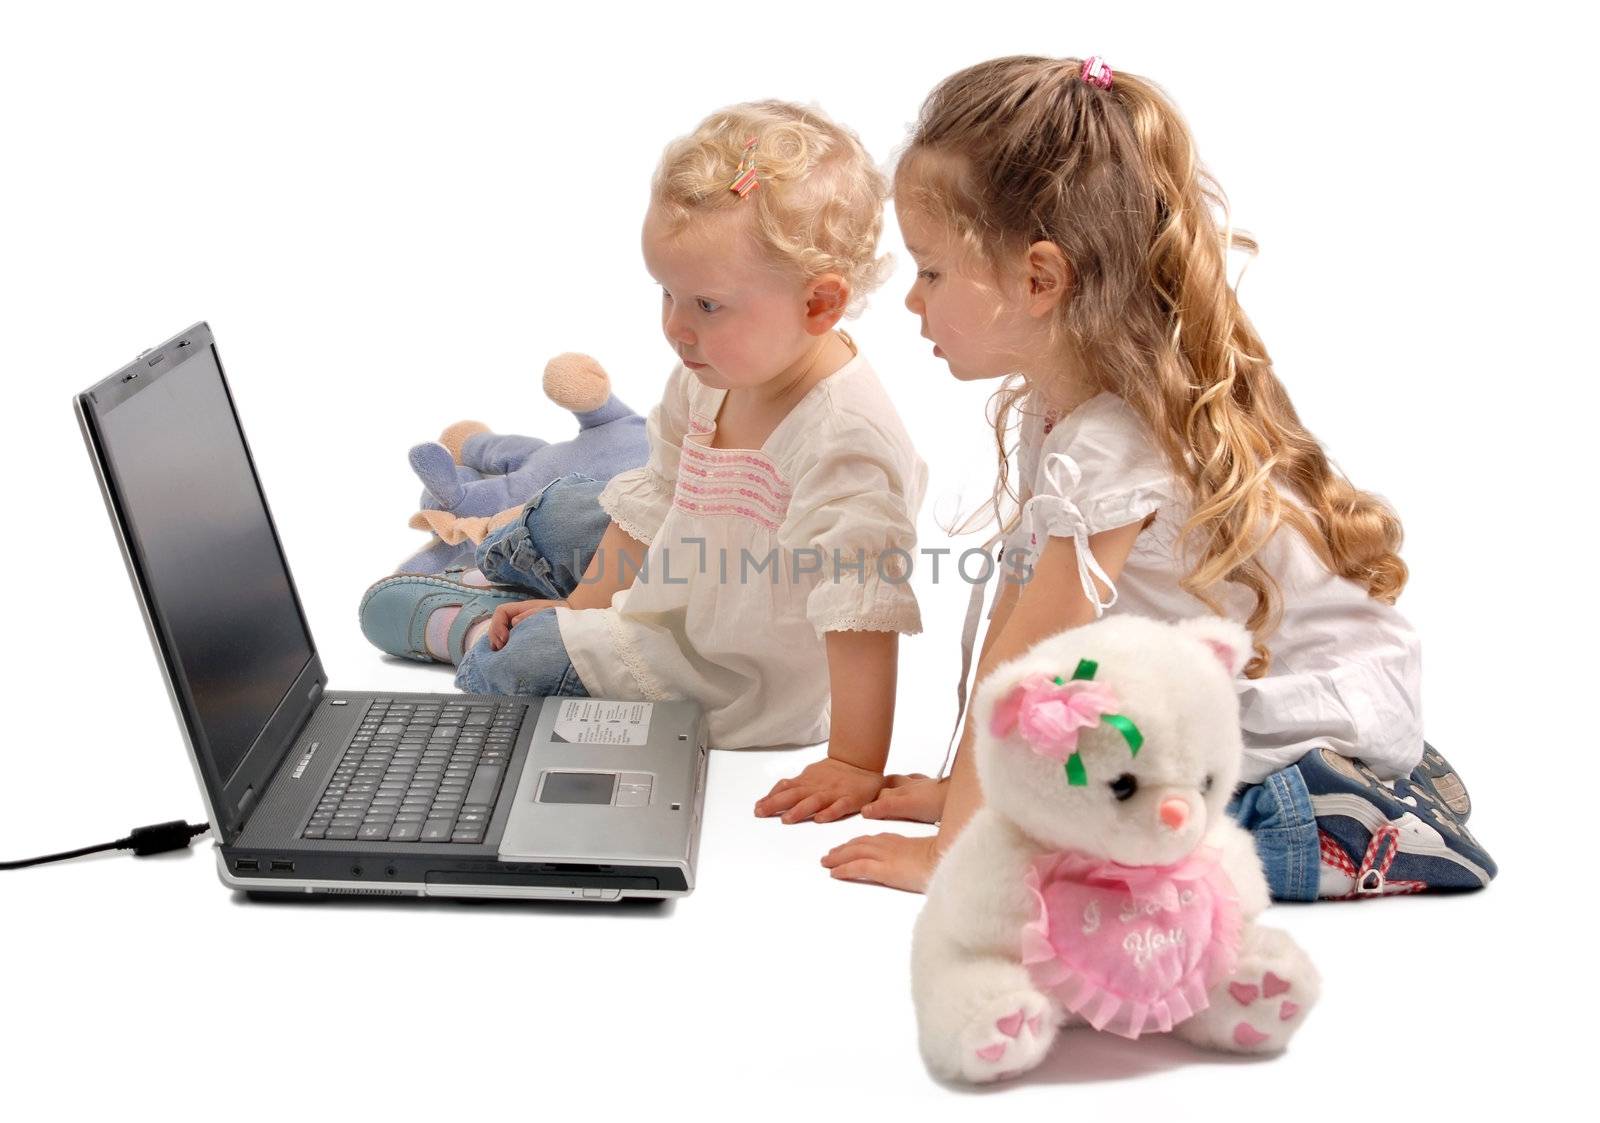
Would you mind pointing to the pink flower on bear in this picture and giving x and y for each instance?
(1050, 714)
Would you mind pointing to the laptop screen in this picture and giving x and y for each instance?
(195, 518)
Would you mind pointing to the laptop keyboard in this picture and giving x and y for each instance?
(419, 772)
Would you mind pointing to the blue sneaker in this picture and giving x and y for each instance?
(1438, 783)
(394, 612)
(1406, 837)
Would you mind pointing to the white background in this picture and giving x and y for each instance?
(393, 214)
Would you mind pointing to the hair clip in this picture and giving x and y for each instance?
(746, 181)
(1095, 72)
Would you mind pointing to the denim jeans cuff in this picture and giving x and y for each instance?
(1277, 813)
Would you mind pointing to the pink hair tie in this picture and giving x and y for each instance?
(746, 180)
(1096, 72)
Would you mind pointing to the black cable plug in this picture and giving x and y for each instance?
(161, 837)
(157, 838)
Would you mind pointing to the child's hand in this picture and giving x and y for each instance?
(508, 615)
(827, 790)
(915, 798)
(887, 859)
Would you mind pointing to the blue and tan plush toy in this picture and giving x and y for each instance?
(474, 479)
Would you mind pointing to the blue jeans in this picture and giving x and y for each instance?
(544, 552)
(1277, 813)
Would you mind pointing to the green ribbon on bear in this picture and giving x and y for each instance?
(1077, 776)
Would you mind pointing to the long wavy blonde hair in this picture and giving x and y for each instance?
(1023, 151)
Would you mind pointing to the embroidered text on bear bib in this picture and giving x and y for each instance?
(1131, 948)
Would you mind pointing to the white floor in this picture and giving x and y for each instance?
(391, 215)
(772, 988)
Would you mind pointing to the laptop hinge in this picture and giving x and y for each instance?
(250, 797)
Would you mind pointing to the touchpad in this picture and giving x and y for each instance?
(577, 787)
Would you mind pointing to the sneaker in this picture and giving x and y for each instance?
(1378, 839)
(1437, 782)
(394, 612)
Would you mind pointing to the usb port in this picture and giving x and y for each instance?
(282, 867)
(246, 864)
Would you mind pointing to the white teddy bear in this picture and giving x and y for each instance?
(1102, 881)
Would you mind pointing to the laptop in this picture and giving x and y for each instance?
(311, 790)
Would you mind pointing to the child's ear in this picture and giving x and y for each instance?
(1228, 642)
(827, 297)
(1049, 278)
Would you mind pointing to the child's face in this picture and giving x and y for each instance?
(731, 317)
(978, 325)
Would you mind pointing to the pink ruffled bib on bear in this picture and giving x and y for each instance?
(1132, 949)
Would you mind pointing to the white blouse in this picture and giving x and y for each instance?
(739, 584)
(1345, 670)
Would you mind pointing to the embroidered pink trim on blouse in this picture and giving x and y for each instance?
(712, 472)
(708, 455)
(719, 490)
(722, 480)
(698, 508)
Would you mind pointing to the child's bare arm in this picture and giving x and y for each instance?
(1048, 603)
(1051, 602)
(861, 675)
(615, 564)
(917, 797)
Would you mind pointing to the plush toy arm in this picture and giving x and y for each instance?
(978, 896)
(461, 488)
(979, 1014)
(1242, 865)
(442, 478)
(499, 454)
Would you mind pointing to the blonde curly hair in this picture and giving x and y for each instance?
(819, 206)
(1018, 150)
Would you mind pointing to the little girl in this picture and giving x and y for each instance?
(744, 565)
(1064, 234)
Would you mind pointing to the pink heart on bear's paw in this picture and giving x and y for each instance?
(1243, 993)
(1287, 1011)
(1248, 1035)
(993, 1052)
(1010, 1025)
(1272, 986)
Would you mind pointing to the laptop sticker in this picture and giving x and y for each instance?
(589, 721)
